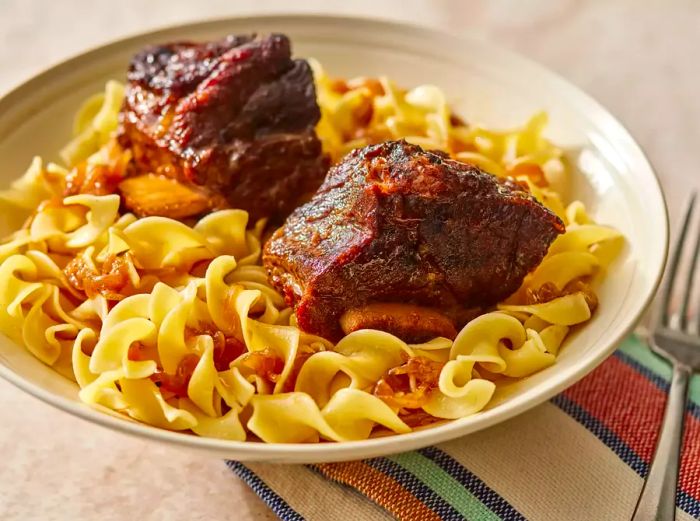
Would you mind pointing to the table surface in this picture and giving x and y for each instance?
(635, 57)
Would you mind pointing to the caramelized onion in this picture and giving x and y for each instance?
(226, 348)
(299, 361)
(408, 386)
(136, 352)
(112, 281)
(265, 363)
(99, 179)
(548, 292)
(177, 383)
(417, 418)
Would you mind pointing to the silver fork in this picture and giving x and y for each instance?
(677, 339)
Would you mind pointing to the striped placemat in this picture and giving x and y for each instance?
(580, 456)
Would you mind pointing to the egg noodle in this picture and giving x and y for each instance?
(175, 324)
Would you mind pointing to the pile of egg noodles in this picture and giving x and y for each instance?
(88, 340)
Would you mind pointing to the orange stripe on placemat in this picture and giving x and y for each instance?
(380, 488)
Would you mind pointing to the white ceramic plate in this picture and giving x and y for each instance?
(485, 84)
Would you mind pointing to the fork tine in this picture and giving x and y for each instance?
(665, 301)
(690, 282)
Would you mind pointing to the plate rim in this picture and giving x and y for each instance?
(340, 451)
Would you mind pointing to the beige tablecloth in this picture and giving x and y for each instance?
(639, 58)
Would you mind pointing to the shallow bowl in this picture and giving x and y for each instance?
(485, 84)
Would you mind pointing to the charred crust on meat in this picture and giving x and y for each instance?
(234, 117)
(394, 223)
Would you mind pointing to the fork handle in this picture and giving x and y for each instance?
(658, 499)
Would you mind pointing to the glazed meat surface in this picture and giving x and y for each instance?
(232, 121)
(395, 224)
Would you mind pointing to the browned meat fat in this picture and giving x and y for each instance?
(395, 224)
(233, 118)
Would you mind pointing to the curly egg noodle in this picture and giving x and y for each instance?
(176, 326)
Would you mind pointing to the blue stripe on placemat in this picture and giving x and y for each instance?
(278, 505)
(688, 503)
(416, 487)
(481, 490)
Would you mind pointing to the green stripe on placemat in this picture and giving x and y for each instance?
(449, 489)
(636, 349)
